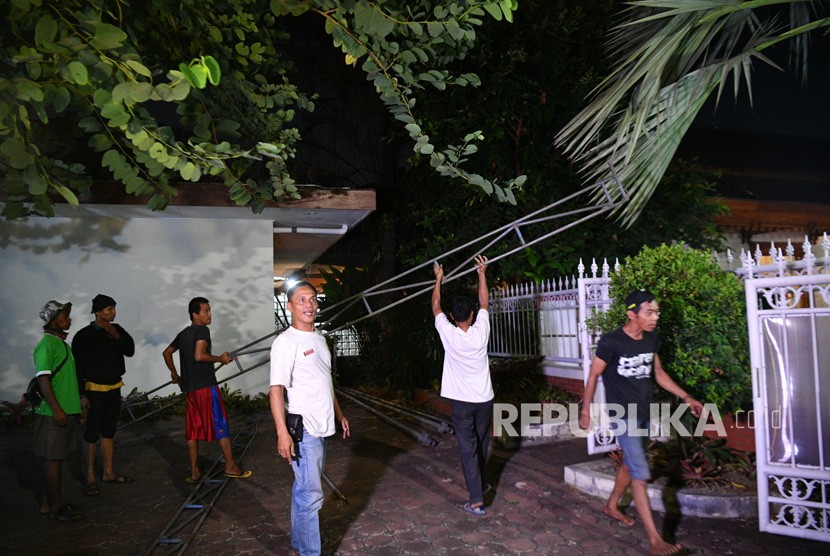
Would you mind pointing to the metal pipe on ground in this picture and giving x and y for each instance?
(432, 421)
(421, 437)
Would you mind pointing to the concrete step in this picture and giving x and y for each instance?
(597, 478)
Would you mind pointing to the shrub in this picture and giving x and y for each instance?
(702, 327)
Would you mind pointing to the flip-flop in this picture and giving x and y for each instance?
(91, 490)
(241, 475)
(475, 510)
(70, 507)
(191, 480)
(65, 514)
(120, 479)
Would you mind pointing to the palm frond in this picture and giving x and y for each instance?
(668, 57)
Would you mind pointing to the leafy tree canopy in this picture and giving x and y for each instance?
(667, 58)
(158, 92)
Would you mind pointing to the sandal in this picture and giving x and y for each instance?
(120, 479)
(475, 510)
(91, 490)
(65, 514)
(70, 507)
(241, 475)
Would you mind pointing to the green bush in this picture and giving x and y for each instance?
(702, 327)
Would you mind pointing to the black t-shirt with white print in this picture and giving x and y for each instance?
(628, 378)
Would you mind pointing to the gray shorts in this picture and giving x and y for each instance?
(53, 443)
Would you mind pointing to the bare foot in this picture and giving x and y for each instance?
(662, 548)
(615, 513)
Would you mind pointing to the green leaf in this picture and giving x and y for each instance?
(200, 73)
(494, 10)
(141, 91)
(60, 99)
(213, 69)
(507, 8)
(454, 30)
(187, 71)
(100, 142)
(35, 183)
(435, 29)
(112, 110)
(67, 194)
(139, 68)
(380, 24)
(111, 159)
(107, 36)
(165, 91)
(12, 147)
(29, 90)
(121, 91)
(78, 73)
(46, 30)
(134, 184)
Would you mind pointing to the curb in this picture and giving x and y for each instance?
(597, 478)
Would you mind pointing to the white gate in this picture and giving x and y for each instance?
(594, 296)
(789, 337)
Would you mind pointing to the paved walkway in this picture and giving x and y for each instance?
(403, 498)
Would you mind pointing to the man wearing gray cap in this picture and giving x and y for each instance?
(99, 351)
(60, 413)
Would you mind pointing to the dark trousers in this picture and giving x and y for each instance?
(472, 432)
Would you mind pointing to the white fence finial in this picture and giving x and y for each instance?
(780, 260)
(809, 258)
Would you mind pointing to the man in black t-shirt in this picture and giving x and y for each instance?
(629, 365)
(99, 350)
(205, 418)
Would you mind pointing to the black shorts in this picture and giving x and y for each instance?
(102, 415)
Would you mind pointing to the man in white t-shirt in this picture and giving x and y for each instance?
(466, 378)
(301, 369)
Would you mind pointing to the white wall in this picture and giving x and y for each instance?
(152, 267)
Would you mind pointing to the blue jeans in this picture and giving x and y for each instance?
(633, 448)
(307, 495)
(471, 422)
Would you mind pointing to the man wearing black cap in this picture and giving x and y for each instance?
(60, 413)
(99, 351)
(628, 362)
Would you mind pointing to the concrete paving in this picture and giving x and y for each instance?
(403, 498)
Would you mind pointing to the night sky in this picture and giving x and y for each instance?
(781, 104)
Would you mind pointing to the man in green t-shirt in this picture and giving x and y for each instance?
(61, 412)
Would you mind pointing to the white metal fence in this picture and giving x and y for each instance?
(789, 338)
(529, 320)
(548, 319)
